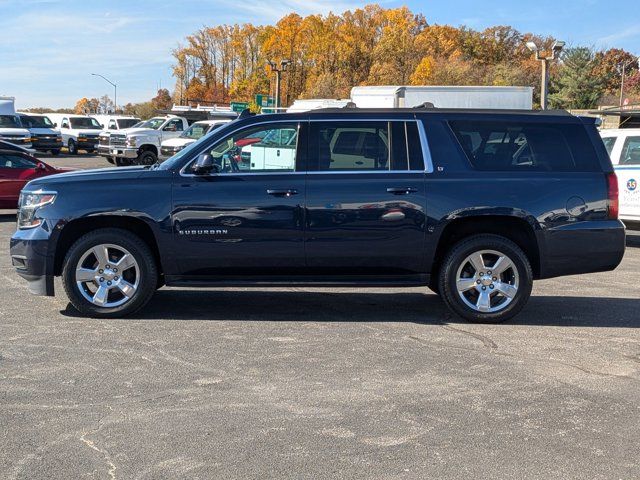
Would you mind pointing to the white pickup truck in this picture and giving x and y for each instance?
(141, 145)
(623, 146)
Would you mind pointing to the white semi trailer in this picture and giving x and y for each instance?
(400, 96)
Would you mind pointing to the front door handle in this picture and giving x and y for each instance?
(401, 190)
(287, 192)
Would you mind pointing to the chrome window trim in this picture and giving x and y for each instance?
(422, 134)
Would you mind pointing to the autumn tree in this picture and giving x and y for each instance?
(82, 106)
(162, 100)
(332, 53)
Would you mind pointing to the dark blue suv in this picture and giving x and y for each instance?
(474, 204)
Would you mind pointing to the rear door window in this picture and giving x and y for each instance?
(525, 146)
(365, 146)
(630, 151)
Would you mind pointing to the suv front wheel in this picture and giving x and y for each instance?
(486, 279)
(109, 273)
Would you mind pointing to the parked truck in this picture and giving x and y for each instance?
(399, 96)
(141, 145)
(11, 130)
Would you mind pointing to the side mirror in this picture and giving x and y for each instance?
(204, 165)
(55, 124)
(40, 166)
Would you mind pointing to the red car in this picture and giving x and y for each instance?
(16, 169)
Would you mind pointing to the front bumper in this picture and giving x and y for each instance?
(120, 152)
(33, 257)
(44, 144)
(20, 141)
(87, 143)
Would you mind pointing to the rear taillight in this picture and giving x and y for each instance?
(613, 205)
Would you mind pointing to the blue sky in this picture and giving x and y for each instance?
(48, 48)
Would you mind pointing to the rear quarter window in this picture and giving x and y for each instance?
(526, 146)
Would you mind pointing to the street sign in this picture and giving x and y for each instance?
(239, 107)
(265, 100)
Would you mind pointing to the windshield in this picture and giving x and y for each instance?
(195, 131)
(85, 122)
(153, 123)
(9, 121)
(36, 121)
(127, 122)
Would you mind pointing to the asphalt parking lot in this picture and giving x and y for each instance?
(321, 383)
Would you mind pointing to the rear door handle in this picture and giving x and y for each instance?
(287, 192)
(401, 190)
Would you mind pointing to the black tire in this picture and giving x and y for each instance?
(110, 160)
(434, 284)
(72, 147)
(55, 152)
(456, 259)
(140, 251)
(121, 162)
(146, 157)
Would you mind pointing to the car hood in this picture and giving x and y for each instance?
(14, 131)
(97, 175)
(177, 142)
(130, 131)
(86, 131)
(43, 131)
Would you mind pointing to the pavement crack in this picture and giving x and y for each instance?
(486, 341)
(103, 451)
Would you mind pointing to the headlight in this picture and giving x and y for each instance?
(131, 141)
(29, 204)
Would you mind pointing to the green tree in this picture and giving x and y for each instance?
(575, 85)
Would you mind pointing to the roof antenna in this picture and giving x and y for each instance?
(425, 105)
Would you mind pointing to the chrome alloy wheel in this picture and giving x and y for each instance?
(487, 281)
(107, 275)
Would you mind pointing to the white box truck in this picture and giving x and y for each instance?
(403, 96)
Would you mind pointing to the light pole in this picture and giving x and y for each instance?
(623, 67)
(545, 58)
(284, 64)
(115, 90)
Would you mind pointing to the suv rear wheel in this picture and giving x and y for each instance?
(109, 273)
(486, 279)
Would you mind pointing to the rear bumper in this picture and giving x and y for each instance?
(32, 258)
(583, 247)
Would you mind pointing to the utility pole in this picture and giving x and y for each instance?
(545, 58)
(624, 67)
(115, 90)
(284, 64)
